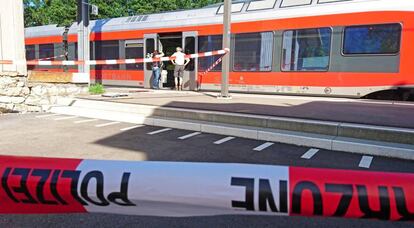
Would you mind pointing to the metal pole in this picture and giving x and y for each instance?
(80, 34)
(226, 44)
(86, 39)
(83, 36)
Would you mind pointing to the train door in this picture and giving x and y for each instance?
(169, 42)
(151, 42)
(190, 46)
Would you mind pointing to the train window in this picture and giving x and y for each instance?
(134, 49)
(107, 50)
(73, 51)
(150, 48)
(30, 52)
(30, 55)
(253, 52)
(289, 3)
(209, 43)
(261, 5)
(235, 8)
(189, 48)
(46, 51)
(329, 1)
(306, 49)
(372, 39)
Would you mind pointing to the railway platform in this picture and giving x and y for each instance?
(358, 111)
(375, 127)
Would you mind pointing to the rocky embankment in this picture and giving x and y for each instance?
(17, 94)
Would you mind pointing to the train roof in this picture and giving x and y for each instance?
(244, 10)
(45, 30)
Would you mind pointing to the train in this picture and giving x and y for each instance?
(344, 48)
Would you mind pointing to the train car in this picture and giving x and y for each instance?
(352, 48)
(45, 43)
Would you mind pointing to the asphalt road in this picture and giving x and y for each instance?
(66, 136)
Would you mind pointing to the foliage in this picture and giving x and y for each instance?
(96, 89)
(63, 12)
(3, 110)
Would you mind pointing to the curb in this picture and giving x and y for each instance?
(337, 129)
(139, 114)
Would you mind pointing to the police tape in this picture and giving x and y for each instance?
(112, 61)
(217, 62)
(210, 68)
(45, 185)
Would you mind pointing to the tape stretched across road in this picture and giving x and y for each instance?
(111, 62)
(45, 185)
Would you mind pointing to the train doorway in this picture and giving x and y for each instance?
(168, 42)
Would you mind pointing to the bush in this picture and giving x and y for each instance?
(96, 89)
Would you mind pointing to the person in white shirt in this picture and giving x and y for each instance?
(180, 62)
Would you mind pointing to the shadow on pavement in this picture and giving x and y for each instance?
(390, 115)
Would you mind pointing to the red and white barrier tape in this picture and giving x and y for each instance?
(46, 185)
(200, 76)
(112, 61)
(217, 62)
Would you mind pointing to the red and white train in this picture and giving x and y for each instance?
(321, 47)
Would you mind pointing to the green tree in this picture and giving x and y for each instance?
(43, 12)
(63, 12)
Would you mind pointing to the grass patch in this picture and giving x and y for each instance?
(96, 89)
(4, 110)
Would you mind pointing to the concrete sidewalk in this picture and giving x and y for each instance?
(357, 126)
(357, 111)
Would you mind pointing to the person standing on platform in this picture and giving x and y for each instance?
(180, 63)
(156, 69)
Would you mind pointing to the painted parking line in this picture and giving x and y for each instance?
(45, 116)
(85, 121)
(310, 153)
(263, 146)
(159, 131)
(66, 118)
(189, 135)
(130, 128)
(366, 162)
(221, 141)
(107, 124)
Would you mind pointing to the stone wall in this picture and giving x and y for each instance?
(19, 95)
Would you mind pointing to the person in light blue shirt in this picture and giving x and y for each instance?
(156, 69)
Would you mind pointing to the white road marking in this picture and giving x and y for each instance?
(189, 135)
(85, 121)
(45, 116)
(366, 162)
(107, 124)
(66, 118)
(130, 128)
(221, 141)
(310, 154)
(159, 131)
(263, 146)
